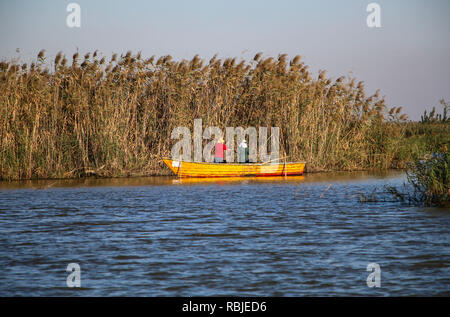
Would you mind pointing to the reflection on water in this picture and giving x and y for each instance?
(162, 236)
(170, 180)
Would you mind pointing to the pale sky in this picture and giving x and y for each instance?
(408, 58)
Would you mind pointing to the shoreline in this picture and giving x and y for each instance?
(170, 174)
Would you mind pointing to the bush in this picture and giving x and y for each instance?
(429, 180)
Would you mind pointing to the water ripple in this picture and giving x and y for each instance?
(160, 238)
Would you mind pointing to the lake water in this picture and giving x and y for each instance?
(161, 236)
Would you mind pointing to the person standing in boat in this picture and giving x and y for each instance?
(243, 152)
(220, 151)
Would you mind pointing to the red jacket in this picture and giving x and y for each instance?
(220, 147)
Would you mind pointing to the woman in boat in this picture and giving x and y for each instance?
(219, 151)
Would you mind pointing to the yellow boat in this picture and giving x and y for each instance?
(202, 169)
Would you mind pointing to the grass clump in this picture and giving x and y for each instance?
(428, 180)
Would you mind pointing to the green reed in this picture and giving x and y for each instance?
(428, 182)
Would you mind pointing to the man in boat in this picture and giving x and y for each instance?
(220, 151)
(243, 152)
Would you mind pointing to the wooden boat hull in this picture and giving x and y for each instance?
(201, 169)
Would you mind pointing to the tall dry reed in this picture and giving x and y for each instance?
(113, 117)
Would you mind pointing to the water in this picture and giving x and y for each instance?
(247, 237)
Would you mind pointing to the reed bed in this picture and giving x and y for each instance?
(73, 117)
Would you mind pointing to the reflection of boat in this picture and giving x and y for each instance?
(236, 180)
(201, 169)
